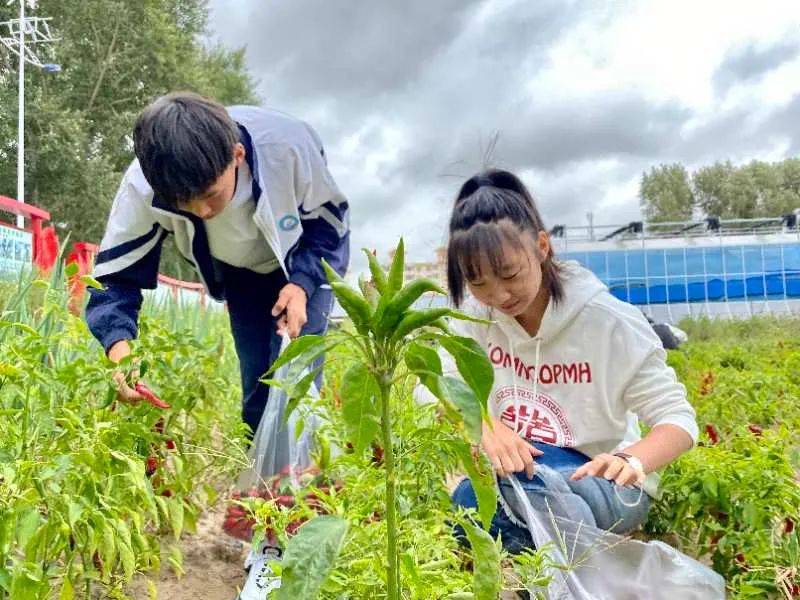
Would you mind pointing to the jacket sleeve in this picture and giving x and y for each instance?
(324, 217)
(127, 263)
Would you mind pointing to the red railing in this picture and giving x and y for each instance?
(34, 214)
(83, 253)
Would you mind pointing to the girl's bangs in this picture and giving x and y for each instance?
(485, 242)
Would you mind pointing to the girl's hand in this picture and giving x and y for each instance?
(613, 468)
(507, 451)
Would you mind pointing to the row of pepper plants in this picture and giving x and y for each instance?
(93, 491)
(735, 499)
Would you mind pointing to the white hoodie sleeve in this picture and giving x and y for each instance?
(656, 396)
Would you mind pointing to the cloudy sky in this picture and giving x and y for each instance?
(581, 96)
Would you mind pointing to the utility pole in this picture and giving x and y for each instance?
(37, 30)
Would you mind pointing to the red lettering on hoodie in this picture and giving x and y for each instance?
(568, 373)
(496, 355)
(585, 370)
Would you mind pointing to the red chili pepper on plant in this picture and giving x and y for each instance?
(292, 527)
(151, 466)
(712, 434)
(756, 430)
(741, 561)
(377, 455)
(788, 525)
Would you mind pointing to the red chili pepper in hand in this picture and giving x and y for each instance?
(148, 395)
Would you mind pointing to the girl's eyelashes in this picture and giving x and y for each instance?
(512, 276)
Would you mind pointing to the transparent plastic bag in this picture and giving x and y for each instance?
(276, 450)
(594, 564)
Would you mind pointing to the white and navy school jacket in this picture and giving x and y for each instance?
(299, 210)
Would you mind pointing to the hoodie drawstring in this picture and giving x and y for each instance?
(537, 358)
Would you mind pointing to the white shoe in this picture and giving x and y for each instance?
(261, 579)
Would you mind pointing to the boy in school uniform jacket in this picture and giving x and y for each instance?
(247, 195)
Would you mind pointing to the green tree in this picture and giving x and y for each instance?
(116, 56)
(757, 189)
(788, 198)
(665, 194)
(711, 187)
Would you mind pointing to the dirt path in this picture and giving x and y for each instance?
(213, 565)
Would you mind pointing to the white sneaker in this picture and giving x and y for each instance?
(261, 579)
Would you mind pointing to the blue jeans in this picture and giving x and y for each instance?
(592, 497)
(250, 297)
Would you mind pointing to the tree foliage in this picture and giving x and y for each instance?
(753, 190)
(666, 194)
(116, 56)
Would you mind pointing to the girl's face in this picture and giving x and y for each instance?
(513, 289)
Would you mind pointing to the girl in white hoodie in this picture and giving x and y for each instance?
(575, 368)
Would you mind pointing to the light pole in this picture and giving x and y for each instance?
(38, 32)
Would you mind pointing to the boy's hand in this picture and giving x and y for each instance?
(124, 385)
(125, 392)
(507, 451)
(291, 307)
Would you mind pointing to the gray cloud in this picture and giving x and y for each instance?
(347, 49)
(750, 62)
(408, 95)
(622, 124)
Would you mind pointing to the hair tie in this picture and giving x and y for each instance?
(484, 180)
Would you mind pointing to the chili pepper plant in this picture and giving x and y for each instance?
(392, 346)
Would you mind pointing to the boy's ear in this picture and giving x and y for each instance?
(239, 153)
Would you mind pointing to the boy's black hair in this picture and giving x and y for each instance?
(184, 142)
(493, 207)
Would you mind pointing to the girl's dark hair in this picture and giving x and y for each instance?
(184, 142)
(493, 207)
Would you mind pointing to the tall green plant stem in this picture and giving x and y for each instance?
(393, 574)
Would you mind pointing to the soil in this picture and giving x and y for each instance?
(213, 565)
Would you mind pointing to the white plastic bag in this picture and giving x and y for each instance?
(600, 565)
(275, 449)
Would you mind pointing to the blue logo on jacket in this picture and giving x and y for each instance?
(288, 222)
